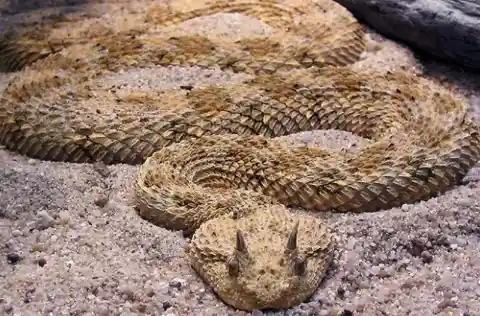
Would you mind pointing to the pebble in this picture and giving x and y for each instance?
(447, 302)
(44, 220)
(16, 233)
(42, 262)
(13, 258)
(256, 312)
(426, 256)
(128, 294)
(8, 308)
(101, 168)
(177, 283)
(63, 217)
(101, 201)
(464, 202)
(166, 305)
(346, 312)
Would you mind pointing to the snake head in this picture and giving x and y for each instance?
(266, 259)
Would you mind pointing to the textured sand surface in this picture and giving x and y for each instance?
(71, 243)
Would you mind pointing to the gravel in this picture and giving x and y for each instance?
(72, 244)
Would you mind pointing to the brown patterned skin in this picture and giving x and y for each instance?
(210, 167)
(215, 186)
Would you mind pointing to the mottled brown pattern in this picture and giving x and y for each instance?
(209, 165)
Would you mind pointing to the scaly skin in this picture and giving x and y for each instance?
(210, 167)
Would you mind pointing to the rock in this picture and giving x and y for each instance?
(42, 262)
(346, 312)
(177, 283)
(101, 200)
(256, 312)
(16, 233)
(101, 168)
(63, 218)
(447, 29)
(426, 257)
(166, 305)
(44, 220)
(8, 308)
(13, 258)
(128, 294)
(447, 302)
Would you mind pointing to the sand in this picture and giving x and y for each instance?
(72, 244)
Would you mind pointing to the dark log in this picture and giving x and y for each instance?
(447, 29)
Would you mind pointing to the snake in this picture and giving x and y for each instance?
(210, 161)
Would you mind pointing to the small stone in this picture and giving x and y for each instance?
(13, 258)
(166, 305)
(150, 292)
(346, 312)
(16, 233)
(8, 308)
(42, 262)
(407, 285)
(442, 240)
(416, 247)
(10, 244)
(101, 168)
(44, 220)
(63, 218)
(464, 202)
(447, 302)
(128, 294)
(380, 271)
(426, 257)
(256, 312)
(177, 283)
(385, 272)
(142, 308)
(101, 201)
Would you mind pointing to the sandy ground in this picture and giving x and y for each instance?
(71, 243)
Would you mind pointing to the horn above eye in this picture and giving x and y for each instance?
(233, 262)
(292, 239)
(240, 242)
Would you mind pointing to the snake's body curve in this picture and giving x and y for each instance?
(209, 165)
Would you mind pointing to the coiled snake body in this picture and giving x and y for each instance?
(209, 165)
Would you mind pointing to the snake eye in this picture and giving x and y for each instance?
(299, 266)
